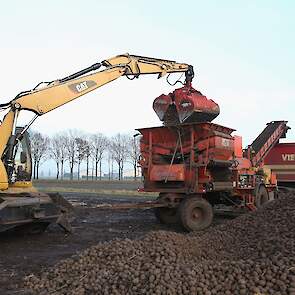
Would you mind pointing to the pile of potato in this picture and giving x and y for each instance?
(252, 254)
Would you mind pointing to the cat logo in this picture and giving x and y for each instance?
(82, 86)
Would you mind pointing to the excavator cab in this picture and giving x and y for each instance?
(23, 160)
(21, 206)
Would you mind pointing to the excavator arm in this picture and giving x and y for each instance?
(47, 96)
(59, 92)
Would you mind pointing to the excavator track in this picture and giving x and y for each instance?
(33, 212)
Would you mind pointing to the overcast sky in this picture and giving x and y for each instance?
(242, 51)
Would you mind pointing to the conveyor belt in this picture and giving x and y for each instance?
(266, 140)
(262, 138)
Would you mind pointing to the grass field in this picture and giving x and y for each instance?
(99, 187)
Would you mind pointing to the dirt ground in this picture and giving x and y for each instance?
(21, 255)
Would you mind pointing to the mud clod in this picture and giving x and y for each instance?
(253, 254)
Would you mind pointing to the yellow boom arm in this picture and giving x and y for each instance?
(48, 96)
(62, 91)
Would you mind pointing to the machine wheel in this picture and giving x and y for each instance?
(195, 213)
(262, 196)
(166, 215)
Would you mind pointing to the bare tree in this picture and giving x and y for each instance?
(55, 152)
(82, 146)
(92, 171)
(112, 168)
(134, 152)
(40, 147)
(71, 146)
(87, 153)
(87, 157)
(99, 144)
(119, 148)
(63, 153)
(110, 164)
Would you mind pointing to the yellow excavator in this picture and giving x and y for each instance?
(20, 205)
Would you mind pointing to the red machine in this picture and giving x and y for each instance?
(180, 158)
(197, 165)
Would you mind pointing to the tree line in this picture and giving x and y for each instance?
(71, 149)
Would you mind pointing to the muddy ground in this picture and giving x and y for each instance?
(21, 255)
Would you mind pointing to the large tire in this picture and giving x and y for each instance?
(195, 213)
(262, 196)
(166, 215)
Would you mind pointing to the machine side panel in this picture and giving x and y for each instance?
(281, 160)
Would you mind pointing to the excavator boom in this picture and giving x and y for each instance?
(44, 99)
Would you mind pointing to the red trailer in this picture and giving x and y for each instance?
(281, 160)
